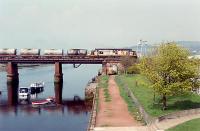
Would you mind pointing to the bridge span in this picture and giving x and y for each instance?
(63, 60)
(13, 75)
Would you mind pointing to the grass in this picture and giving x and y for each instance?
(97, 99)
(104, 84)
(134, 111)
(192, 125)
(139, 85)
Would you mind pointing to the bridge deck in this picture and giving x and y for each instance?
(64, 60)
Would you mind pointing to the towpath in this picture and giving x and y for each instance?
(114, 113)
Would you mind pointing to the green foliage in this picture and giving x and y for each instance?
(145, 96)
(133, 69)
(133, 109)
(127, 61)
(170, 70)
(192, 125)
(104, 84)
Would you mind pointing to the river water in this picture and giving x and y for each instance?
(72, 115)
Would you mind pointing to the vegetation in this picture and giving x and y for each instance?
(133, 109)
(133, 69)
(139, 85)
(193, 125)
(97, 99)
(127, 62)
(104, 84)
(170, 71)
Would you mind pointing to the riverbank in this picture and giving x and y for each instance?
(111, 115)
(139, 86)
(180, 108)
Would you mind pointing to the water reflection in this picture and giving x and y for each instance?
(70, 106)
(58, 92)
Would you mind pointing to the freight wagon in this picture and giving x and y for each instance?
(8, 53)
(29, 53)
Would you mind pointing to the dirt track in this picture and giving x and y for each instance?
(114, 113)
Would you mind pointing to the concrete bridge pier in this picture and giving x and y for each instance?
(12, 72)
(58, 76)
(58, 92)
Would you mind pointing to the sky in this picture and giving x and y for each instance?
(96, 23)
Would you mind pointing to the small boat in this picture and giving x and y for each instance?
(40, 102)
(24, 93)
(49, 100)
(36, 87)
(37, 84)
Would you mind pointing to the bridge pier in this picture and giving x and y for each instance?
(12, 72)
(58, 92)
(58, 76)
(104, 68)
(12, 88)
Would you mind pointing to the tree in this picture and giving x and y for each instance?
(127, 61)
(170, 70)
(133, 69)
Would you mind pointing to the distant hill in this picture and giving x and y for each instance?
(193, 46)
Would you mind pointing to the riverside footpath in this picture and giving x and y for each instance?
(115, 112)
(114, 115)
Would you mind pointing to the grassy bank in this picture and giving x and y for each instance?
(193, 125)
(104, 84)
(139, 85)
(133, 109)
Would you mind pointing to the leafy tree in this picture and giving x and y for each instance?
(133, 69)
(170, 70)
(127, 61)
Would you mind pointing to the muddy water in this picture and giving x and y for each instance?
(72, 115)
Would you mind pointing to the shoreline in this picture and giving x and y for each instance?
(92, 90)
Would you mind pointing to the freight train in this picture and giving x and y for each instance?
(59, 53)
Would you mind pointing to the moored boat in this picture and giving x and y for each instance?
(40, 102)
(49, 100)
(36, 87)
(24, 93)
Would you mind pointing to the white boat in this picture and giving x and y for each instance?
(24, 93)
(37, 84)
(36, 87)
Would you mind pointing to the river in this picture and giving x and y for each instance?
(72, 115)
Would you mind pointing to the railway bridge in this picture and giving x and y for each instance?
(12, 68)
(13, 61)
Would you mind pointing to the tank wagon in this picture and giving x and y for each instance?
(9, 53)
(77, 52)
(29, 52)
(55, 53)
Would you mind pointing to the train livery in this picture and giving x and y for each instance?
(59, 53)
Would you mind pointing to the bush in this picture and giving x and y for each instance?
(133, 69)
